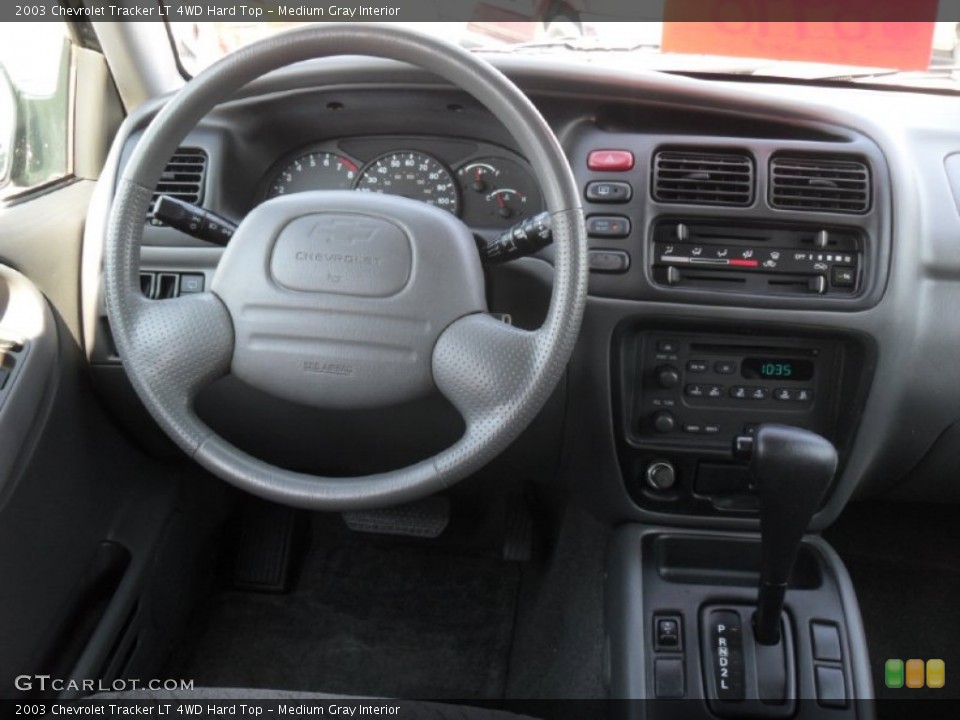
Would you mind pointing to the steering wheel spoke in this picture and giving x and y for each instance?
(181, 345)
(484, 367)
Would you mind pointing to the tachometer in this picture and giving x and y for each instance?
(314, 171)
(413, 175)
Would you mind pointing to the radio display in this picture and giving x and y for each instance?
(776, 368)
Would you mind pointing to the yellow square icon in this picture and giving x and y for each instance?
(914, 673)
(936, 673)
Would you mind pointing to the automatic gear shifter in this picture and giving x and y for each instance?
(791, 468)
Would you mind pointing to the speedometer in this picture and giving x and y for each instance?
(314, 171)
(412, 175)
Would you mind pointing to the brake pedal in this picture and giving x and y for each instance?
(266, 548)
(424, 518)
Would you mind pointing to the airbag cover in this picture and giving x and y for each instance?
(344, 254)
(338, 297)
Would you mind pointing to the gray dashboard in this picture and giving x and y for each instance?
(896, 330)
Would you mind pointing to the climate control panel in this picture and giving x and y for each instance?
(758, 257)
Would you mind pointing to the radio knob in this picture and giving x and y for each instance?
(664, 422)
(661, 475)
(668, 376)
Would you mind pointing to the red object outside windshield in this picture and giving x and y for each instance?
(893, 45)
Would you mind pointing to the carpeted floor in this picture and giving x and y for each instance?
(904, 559)
(368, 616)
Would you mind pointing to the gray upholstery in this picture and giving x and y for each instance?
(498, 377)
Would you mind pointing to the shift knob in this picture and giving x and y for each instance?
(792, 469)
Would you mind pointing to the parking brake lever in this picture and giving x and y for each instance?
(791, 468)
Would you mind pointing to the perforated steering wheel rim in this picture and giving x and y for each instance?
(498, 377)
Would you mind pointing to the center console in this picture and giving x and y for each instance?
(680, 632)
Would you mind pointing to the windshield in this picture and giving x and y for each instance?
(924, 55)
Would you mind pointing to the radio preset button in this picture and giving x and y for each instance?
(740, 392)
(708, 391)
(694, 391)
(783, 394)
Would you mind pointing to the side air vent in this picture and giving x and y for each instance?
(702, 178)
(183, 177)
(823, 184)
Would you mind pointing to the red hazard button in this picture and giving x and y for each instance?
(610, 160)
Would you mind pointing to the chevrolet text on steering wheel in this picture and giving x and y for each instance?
(344, 299)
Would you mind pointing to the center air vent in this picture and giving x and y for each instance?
(697, 178)
(183, 177)
(819, 184)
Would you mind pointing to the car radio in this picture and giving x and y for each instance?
(757, 257)
(696, 390)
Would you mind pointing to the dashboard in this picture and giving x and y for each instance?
(758, 253)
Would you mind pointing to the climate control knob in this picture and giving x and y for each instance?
(661, 475)
(664, 422)
(668, 376)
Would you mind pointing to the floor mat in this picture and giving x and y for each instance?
(403, 619)
(904, 560)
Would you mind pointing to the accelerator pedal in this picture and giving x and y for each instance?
(518, 535)
(265, 552)
(425, 518)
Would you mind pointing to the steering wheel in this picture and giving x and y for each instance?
(345, 299)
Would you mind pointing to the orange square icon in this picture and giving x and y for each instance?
(915, 673)
(936, 673)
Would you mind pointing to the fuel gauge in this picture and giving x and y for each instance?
(497, 192)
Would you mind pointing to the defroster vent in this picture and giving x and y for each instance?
(819, 184)
(703, 178)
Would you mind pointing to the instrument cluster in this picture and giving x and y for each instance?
(484, 185)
